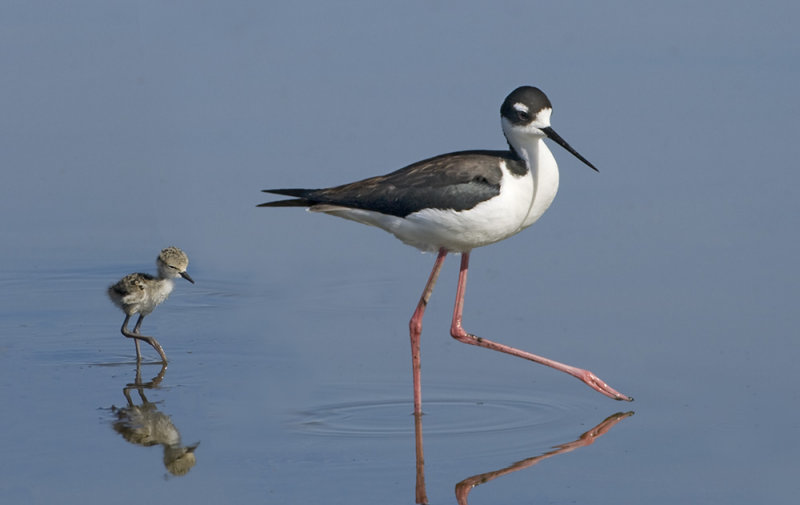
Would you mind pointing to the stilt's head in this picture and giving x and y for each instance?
(526, 118)
(172, 262)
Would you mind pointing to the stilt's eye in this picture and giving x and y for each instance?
(523, 115)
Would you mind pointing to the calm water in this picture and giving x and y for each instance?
(671, 274)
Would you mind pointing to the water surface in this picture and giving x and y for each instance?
(672, 273)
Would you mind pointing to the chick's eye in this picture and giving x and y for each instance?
(523, 115)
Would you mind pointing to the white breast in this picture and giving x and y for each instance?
(156, 293)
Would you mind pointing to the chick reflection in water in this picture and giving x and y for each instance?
(464, 487)
(144, 425)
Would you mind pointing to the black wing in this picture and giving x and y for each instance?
(457, 181)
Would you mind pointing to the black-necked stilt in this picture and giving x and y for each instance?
(457, 202)
(142, 293)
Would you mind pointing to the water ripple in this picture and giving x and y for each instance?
(443, 417)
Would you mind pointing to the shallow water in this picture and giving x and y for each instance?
(672, 274)
(292, 408)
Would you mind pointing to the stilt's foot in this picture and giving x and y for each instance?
(153, 342)
(150, 340)
(161, 353)
(597, 384)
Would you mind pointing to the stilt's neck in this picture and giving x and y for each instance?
(542, 166)
(545, 177)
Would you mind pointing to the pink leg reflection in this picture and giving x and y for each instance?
(464, 487)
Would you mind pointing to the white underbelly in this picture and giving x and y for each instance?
(488, 222)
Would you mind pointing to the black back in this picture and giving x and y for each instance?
(456, 181)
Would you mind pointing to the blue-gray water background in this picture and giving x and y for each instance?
(129, 126)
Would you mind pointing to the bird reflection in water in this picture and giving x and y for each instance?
(464, 487)
(144, 425)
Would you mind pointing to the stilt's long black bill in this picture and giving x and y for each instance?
(186, 276)
(551, 134)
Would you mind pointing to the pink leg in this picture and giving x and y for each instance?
(459, 334)
(420, 495)
(415, 329)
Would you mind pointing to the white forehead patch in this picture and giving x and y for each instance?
(521, 107)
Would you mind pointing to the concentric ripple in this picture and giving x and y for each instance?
(442, 417)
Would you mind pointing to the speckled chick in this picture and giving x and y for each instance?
(141, 293)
